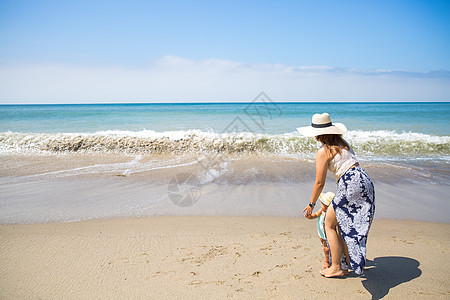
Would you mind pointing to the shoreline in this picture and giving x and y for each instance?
(74, 187)
(71, 199)
(214, 257)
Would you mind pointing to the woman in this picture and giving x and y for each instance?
(353, 207)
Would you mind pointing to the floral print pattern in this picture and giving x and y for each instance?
(354, 205)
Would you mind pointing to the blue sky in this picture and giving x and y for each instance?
(147, 50)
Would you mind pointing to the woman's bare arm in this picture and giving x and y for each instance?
(322, 159)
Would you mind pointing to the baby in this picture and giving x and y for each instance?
(325, 201)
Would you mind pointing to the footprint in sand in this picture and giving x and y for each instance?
(286, 233)
(295, 276)
(212, 252)
(257, 274)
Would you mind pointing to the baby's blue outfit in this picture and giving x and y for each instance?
(320, 227)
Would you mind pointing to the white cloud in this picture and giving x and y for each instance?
(176, 79)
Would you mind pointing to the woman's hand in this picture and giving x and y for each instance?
(308, 211)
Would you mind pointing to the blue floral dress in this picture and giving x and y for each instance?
(354, 205)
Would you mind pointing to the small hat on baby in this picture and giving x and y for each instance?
(326, 198)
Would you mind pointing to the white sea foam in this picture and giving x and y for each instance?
(366, 143)
(124, 168)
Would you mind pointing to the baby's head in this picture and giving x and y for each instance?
(325, 200)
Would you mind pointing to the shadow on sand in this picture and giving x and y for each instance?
(384, 273)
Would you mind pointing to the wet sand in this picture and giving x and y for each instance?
(79, 186)
(112, 227)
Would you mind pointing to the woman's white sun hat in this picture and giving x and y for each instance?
(321, 124)
(326, 198)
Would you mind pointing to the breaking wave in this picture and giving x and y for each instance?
(365, 143)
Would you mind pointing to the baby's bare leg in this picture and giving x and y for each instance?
(326, 251)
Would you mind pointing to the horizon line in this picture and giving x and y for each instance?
(232, 102)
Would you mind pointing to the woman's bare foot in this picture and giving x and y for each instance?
(333, 272)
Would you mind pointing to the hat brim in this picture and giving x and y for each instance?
(326, 198)
(336, 128)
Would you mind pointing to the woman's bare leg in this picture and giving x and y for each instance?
(344, 247)
(334, 242)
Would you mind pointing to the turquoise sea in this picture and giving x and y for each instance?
(377, 131)
(242, 158)
(425, 118)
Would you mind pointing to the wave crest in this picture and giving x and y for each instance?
(365, 143)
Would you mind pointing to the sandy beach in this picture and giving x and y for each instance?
(106, 227)
(173, 149)
(214, 258)
(109, 226)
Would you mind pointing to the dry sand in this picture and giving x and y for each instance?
(215, 258)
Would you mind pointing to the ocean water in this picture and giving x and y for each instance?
(377, 131)
(244, 158)
(278, 118)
